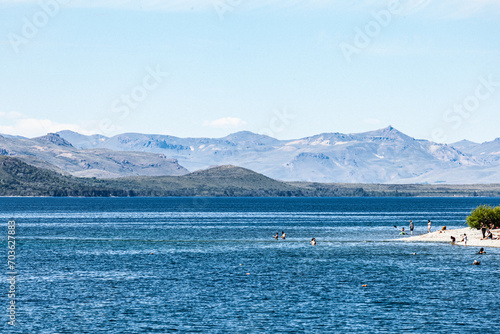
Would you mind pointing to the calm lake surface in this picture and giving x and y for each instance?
(85, 266)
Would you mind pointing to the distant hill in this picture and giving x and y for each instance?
(56, 153)
(381, 156)
(54, 138)
(18, 178)
(488, 151)
(216, 181)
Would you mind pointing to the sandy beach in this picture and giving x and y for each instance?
(474, 237)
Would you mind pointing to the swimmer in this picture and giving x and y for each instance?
(481, 251)
(283, 235)
(476, 262)
(276, 236)
(313, 241)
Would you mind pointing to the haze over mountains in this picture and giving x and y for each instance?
(382, 156)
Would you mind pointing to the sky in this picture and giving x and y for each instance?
(288, 69)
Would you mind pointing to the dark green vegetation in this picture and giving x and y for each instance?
(484, 214)
(18, 178)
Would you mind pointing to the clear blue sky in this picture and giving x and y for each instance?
(234, 65)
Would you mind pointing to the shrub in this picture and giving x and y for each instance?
(484, 214)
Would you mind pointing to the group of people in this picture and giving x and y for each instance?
(464, 240)
(429, 224)
(283, 236)
(412, 227)
(486, 231)
(476, 262)
(487, 234)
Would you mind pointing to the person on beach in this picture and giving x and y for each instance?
(464, 239)
(283, 235)
(411, 227)
(313, 241)
(483, 229)
(488, 235)
(452, 240)
(481, 251)
(429, 225)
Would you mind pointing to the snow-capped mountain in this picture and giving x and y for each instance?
(382, 156)
(488, 151)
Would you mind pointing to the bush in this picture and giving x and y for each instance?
(484, 214)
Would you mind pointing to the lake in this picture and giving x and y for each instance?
(211, 265)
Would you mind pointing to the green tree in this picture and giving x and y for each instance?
(484, 214)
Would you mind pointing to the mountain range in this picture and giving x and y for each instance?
(55, 153)
(381, 156)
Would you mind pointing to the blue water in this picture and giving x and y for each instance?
(85, 266)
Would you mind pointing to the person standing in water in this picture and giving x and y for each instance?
(411, 227)
(283, 235)
(429, 225)
(276, 236)
(452, 240)
(313, 241)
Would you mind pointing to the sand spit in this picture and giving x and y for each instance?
(474, 237)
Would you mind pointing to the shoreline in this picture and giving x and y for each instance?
(473, 237)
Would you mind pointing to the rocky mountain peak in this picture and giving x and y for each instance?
(54, 138)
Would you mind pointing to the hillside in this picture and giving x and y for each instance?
(56, 153)
(217, 181)
(18, 178)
